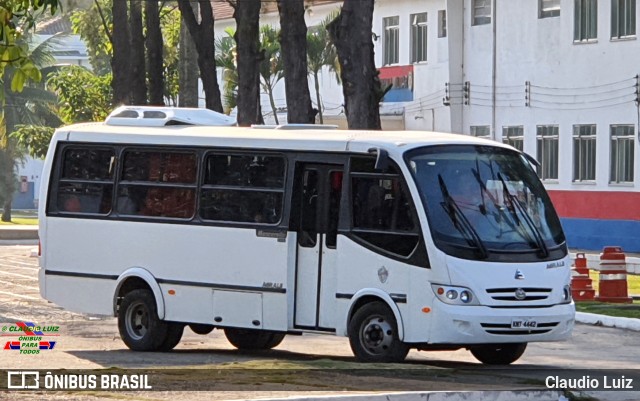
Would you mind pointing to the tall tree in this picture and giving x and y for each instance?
(226, 59)
(204, 38)
(32, 105)
(94, 27)
(351, 34)
(138, 70)
(120, 62)
(320, 53)
(153, 43)
(271, 66)
(248, 59)
(293, 44)
(188, 63)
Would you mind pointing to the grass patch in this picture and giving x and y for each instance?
(617, 310)
(21, 221)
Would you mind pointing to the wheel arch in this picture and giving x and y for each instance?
(368, 295)
(138, 278)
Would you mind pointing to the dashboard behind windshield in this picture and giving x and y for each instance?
(485, 202)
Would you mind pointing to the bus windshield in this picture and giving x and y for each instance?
(485, 202)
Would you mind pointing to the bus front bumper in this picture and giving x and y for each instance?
(483, 325)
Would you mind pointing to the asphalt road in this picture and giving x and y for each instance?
(93, 342)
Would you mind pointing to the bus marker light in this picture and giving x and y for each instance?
(440, 290)
(426, 309)
(172, 292)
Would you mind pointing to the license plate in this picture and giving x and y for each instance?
(523, 324)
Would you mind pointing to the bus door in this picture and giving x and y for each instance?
(318, 192)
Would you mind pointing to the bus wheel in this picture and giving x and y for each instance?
(202, 329)
(247, 339)
(174, 335)
(498, 354)
(138, 322)
(373, 335)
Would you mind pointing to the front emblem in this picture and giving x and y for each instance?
(519, 275)
(383, 274)
(520, 294)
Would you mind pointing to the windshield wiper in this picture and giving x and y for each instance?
(515, 204)
(460, 221)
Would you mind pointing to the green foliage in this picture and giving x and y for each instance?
(320, 51)
(35, 138)
(93, 25)
(226, 59)
(83, 95)
(170, 25)
(271, 68)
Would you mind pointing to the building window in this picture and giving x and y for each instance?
(585, 24)
(418, 37)
(549, 8)
(391, 40)
(513, 136)
(622, 144)
(480, 131)
(481, 12)
(584, 152)
(623, 18)
(547, 138)
(442, 23)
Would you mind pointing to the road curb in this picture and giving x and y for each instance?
(608, 321)
(19, 234)
(515, 395)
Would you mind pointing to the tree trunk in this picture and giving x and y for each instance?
(247, 37)
(188, 67)
(274, 109)
(121, 62)
(316, 81)
(154, 53)
(293, 45)
(138, 72)
(351, 34)
(204, 38)
(6, 210)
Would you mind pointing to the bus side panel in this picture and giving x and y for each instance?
(358, 268)
(192, 260)
(81, 294)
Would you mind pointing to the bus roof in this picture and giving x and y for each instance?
(396, 142)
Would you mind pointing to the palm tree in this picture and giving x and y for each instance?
(320, 53)
(33, 105)
(271, 71)
(226, 58)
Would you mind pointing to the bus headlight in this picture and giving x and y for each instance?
(454, 295)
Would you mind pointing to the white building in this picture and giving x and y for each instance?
(555, 78)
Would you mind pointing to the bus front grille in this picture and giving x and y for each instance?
(519, 294)
(506, 330)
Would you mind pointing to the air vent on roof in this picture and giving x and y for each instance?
(150, 116)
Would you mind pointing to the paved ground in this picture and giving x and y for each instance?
(91, 342)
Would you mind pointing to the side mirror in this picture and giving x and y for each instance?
(382, 158)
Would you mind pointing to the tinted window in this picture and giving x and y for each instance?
(381, 211)
(158, 184)
(243, 188)
(86, 181)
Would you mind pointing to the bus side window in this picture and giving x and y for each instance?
(382, 214)
(85, 185)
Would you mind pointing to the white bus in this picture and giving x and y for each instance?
(397, 240)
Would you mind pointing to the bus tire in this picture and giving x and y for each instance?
(202, 329)
(248, 339)
(138, 322)
(373, 335)
(174, 335)
(498, 354)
